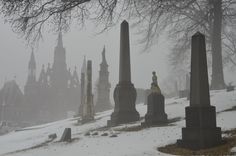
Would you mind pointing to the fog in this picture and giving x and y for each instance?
(15, 54)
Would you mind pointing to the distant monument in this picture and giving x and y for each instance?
(156, 105)
(188, 86)
(54, 93)
(103, 87)
(82, 88)
(124, 93)
(88, 108)
(200, 131)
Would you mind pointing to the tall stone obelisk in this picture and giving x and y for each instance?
(200, 131)
(124, 93)
(88, 109)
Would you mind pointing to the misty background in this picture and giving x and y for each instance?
(15, 54)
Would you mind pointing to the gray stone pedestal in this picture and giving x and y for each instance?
(124, 96)
(200, 131)
(156, 110)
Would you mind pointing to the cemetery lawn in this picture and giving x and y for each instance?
(124, 140)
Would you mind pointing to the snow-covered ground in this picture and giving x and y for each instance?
(33, 141)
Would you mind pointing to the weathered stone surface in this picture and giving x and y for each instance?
(156, 110)
(200, 131)
(156, 105)
(66, 136)
(88, 108)
(124, 93)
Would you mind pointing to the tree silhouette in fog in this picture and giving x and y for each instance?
(215, 18)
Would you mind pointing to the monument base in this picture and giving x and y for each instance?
(156, 110)
(200, 131)
(123, 117)
(155, 120)
(87, 119)
(124, 97)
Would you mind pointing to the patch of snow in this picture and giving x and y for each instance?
(136, 143)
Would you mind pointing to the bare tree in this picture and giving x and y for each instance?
(181, 19)
(215, 18)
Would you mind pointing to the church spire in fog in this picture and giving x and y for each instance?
(59, 74)
(84, 68)
(59, 40)
(32, 69)
(104, 61)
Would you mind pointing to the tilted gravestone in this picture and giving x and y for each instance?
(66, 136)
(124, 93)
(200, 131)
(156, 107)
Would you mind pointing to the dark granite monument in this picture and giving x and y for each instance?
(124, 93)
(82, 88)
(88, 108)
(156, 105)
(200, 131)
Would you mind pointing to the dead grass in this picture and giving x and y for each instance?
(224, 149)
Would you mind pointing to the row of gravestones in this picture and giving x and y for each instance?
(200, 131)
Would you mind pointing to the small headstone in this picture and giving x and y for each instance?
(183, 93)
(52, 136)
(66, 136)
(113, 136)
(230, 88)
(104, 134)
(95, 133)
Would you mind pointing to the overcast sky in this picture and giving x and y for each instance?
(15, 54)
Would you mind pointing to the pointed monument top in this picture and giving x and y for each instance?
(32, 63)
(104, 56)
(198, 34)
(59, 40)
(124, 22)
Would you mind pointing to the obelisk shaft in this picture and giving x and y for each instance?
(199, 96)
(124, 73)
(124, 93)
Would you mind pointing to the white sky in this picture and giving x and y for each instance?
(14, 54)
